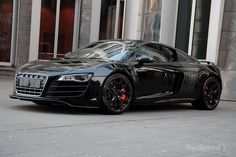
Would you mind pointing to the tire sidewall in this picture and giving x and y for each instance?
(104, 105)
(203, 101)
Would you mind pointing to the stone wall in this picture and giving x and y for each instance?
(23, 42)
(227, 54)
(85, 22)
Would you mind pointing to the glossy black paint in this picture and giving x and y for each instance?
(179, 81)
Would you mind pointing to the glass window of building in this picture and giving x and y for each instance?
(112, 19)
(6, 15)
(56, 28)
(66, 26)
(183, 25)
(151, 20)
(201, 26)
(47, 29)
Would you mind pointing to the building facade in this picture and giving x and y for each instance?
(45, 29)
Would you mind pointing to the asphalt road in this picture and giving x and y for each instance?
(162, 130)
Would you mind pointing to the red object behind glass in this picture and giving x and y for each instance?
(5, 30)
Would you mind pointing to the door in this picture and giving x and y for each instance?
(56, 28)
(186, 70)
(156, 80)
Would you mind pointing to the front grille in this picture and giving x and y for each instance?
(30, 84)
(67, 89)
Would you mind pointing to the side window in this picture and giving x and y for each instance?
(173, 54)
(169, 54)
(184, 57)
(157, 52)
(147, 53)
(144, 53)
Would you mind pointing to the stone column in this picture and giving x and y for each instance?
(85, 22)
(23, 42)
(227, 54)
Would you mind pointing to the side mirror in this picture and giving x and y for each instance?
(144, 59)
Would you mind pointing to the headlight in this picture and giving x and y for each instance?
(76, 77)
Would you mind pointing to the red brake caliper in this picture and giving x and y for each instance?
(123, 95)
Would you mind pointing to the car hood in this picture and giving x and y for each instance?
(63, 66)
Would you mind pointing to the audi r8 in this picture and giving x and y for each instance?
(115, 74)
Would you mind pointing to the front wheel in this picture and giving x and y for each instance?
(210, 95)
(117, 94)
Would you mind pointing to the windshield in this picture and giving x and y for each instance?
(112, 51)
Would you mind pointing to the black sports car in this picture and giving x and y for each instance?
(114, 74)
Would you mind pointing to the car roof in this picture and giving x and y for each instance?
(138, 42)
(131, 43)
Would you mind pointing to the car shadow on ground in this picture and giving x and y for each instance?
(163, 107)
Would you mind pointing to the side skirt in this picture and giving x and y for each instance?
(182, 100)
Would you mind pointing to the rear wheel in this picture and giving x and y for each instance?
(117, 94)
(210, 95)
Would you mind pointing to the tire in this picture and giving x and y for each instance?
(117, 94)
(210, 95)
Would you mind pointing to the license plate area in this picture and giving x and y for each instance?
(29, 82)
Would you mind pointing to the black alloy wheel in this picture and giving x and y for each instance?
(117, 94)
(210, 96)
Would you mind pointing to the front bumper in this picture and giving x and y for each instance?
(73, 102)
(58, 93)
